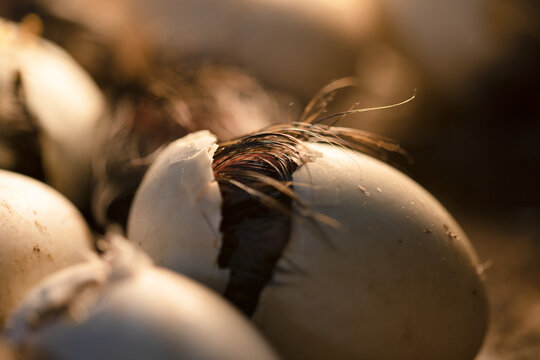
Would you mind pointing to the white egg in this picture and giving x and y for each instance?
(124, 308)
(40, 233)
(63, 100)
(388, 275)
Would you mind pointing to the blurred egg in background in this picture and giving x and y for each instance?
(472, 130)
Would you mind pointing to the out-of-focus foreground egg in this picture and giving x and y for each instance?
(43, 89)
(370, 265)
(124, 308)
(40, 232)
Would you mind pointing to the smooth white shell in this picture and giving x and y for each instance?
(40, 232)
(127, 309)
(64, 100)
(397, 279)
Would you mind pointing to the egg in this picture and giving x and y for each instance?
(122, 307)
(339, 256)
(47, 97)
(40, 233)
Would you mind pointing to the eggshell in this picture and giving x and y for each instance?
(191, 209)
(63, 99)
(396, 279)
(125, 308)
(40, 232)
(391, 276)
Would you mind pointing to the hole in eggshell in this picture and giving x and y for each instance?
(254, 174)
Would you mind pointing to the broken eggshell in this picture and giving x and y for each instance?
(124, 308)
(57, 99)
(40, 233)
(395, 278)
(192, 208)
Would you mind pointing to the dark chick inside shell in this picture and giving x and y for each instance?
(148, 115)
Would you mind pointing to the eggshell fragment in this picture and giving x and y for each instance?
(182, 174)
(40, 232)
(125, 308)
